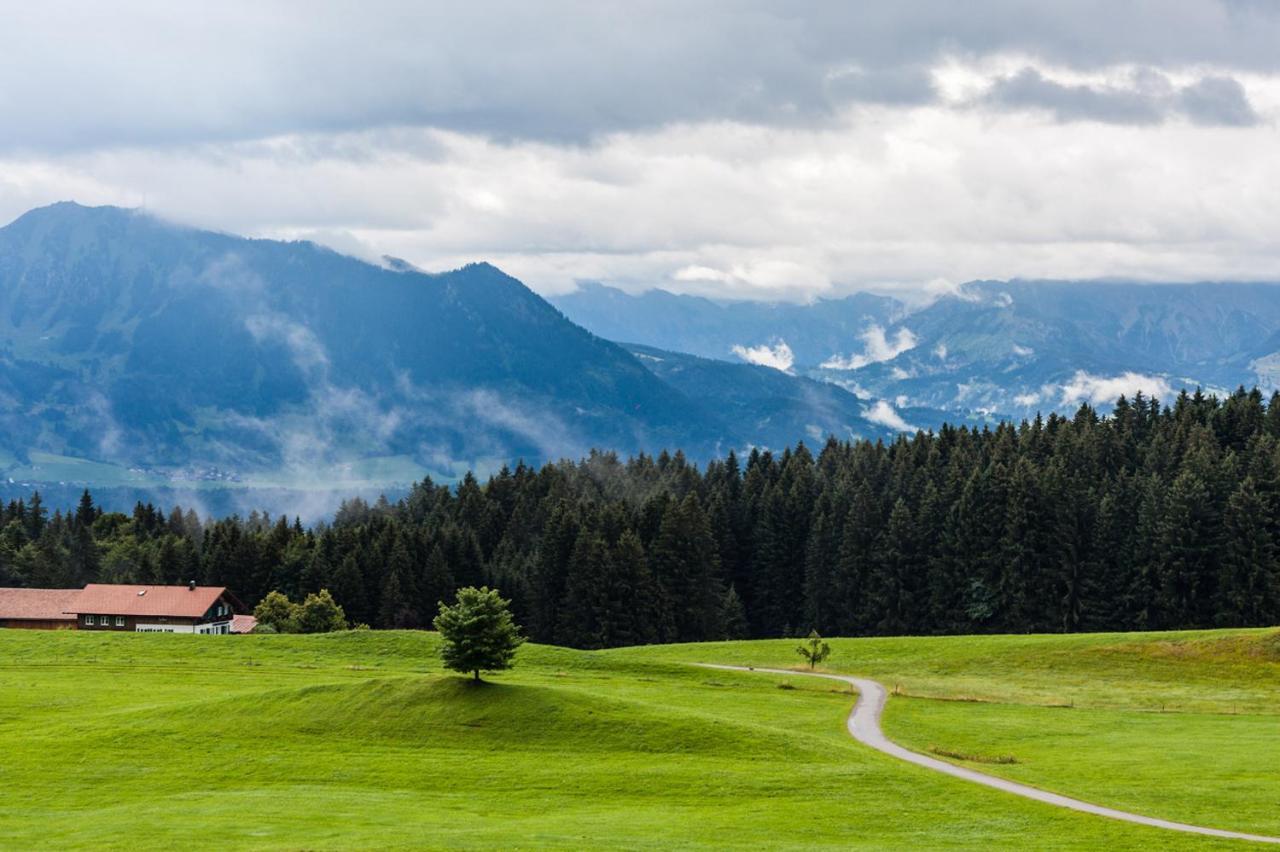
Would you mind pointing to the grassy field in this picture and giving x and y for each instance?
(356, 473)
(359, 740)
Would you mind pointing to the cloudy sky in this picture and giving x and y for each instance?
(744, 149)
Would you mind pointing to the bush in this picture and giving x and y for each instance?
(319, 613)
(277, 612)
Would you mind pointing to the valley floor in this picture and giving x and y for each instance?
(360, 740)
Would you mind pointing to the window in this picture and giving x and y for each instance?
(119, 621)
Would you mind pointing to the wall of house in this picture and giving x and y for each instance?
(132, 623)
(145, 624)
(38, 623)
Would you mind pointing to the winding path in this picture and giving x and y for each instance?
(864, 726)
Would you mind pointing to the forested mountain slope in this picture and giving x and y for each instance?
(145, 345)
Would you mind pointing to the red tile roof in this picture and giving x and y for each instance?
(37, 604)
(243, 623)
(149, 601)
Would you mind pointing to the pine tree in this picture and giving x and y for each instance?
(1188, 558)
(851, 612)
(735, 616)
(1249, 585)
(584, 610)
(550, 570)
(348, 590)
(634, 613)
(478, 633)
(438, 584)
(687, 567)
(891, 584)
(820, 559)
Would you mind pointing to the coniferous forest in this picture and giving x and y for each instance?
(1150, 518)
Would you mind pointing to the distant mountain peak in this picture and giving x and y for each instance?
(73, 210)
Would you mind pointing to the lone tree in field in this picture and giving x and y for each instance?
(478, 632)
(814, 649)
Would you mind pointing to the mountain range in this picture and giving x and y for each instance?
(987, 350)
(141, 354)
(137, 351)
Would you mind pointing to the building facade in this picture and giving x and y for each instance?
(122, 608)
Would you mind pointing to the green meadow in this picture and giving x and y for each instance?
(360, 740)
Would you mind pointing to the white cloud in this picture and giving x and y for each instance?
(732, 210)
(738, 152)
(1022, 351)
(701, 273)
(940, 351)
(877, 348)
(779, 356)
(852, 387)
(1026, 400)
(761, 274)
(884, 413)
(1101, 390)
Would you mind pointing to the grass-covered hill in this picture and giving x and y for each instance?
(359, 740)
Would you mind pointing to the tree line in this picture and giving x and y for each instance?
(1153, 517)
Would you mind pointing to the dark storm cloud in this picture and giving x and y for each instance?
(1148, 98)
(1218, 100)
(80, 75)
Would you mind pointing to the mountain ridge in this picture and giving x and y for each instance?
(990, 349)
(162, 348)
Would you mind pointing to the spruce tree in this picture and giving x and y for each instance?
(477, 633)
(1249, 584)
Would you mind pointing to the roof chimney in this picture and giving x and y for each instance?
(191, 587)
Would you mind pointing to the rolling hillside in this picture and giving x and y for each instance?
(359, 739)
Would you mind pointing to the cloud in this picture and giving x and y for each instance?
(760, 274)
(1026, 400)
(1029, 88)
(1101, 390)
(551, 71)
(883, 413)
(762, 150)
(779, 356)
(877, 348)
(936, 193)
(1217, 101)
(1147, 96)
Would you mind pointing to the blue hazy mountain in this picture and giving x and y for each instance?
(131, 348)
(991, 348)
(776, 407)
(712, 329)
